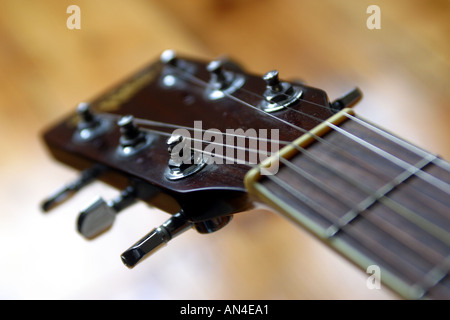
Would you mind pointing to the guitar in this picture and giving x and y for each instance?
(216, 140)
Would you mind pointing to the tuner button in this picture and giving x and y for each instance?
(100, 215)
(96, 219)
(272, 81)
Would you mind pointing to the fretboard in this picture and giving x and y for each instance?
(376, 199)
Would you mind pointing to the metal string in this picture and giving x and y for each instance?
(373, 195)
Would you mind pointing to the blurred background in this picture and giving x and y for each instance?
(403, 70)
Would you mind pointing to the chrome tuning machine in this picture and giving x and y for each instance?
(278, 94)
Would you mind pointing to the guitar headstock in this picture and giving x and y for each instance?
(173, 128)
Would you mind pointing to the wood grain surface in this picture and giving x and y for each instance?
(403, 70)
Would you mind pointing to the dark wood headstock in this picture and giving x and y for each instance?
(177, 91)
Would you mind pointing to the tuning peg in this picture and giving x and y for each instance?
(222, 81)
(169, 57)
(132, 139)
(278, 94)
(272, 81)
(183, 160)
(86, 177)
(100, 215)
(96, 218)
(220, 78)
(154, 240)
(90, 125)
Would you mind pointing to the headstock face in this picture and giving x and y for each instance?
(115, 133)
(181, 95)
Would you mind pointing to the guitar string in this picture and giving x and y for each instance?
(381, 223)
(406, 213)
(380, 152)
(382, 251)
(285, 162)
(438, 161)
(375, 247)
(399, 162)
(421, 174)
(444, 186)
(373, 148)
(409, 146)
(167, 125)
(276, 118)
(410, 168)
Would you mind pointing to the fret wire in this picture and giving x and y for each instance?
(443, 186)
(379, 222)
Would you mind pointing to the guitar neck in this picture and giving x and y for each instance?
(373, 197)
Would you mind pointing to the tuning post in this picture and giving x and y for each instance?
(222, 82)
(278, 94)
(85, 178)
(157, 238)
(90, 125)
(174, 69)
(169, 57)
(132, 139)
(183, 160)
